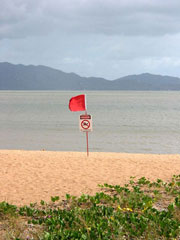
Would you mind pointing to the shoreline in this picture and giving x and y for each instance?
(32, 176)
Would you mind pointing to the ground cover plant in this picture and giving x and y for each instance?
(140, 209)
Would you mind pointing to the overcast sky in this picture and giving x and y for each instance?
(102, 38)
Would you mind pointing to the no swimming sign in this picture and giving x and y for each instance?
(85, 123)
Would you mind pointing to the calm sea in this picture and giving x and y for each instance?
(123, 121)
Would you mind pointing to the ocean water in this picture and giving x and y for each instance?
(123, 121)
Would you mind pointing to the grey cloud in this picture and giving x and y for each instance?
(21, 18)
(106, 38)
(139, 17)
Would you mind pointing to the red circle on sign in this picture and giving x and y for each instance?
(85, 124)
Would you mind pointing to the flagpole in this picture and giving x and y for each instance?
(87, 139)
(87, 144)
(86, 132)
(78, 103)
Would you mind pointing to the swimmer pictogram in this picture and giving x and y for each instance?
(85, 123)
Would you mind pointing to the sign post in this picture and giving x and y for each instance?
(85, 125)
(78, 103)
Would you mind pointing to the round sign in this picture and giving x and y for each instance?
(85, 124)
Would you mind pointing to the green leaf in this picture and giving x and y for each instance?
(54, 199)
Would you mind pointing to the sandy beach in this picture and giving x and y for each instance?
(29, 176)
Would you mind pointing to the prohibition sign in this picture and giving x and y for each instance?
(85, 124)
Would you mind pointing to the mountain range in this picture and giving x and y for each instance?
(21, 77)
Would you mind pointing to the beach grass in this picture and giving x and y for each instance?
(141, 209)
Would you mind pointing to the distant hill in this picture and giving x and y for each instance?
(21, 77)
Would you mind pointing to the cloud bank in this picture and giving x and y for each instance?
(108, 38)
(22, 18)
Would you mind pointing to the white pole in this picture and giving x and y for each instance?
(85, 102)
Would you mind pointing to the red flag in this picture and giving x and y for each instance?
(77, 103)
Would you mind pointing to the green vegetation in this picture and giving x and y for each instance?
(139, 210)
